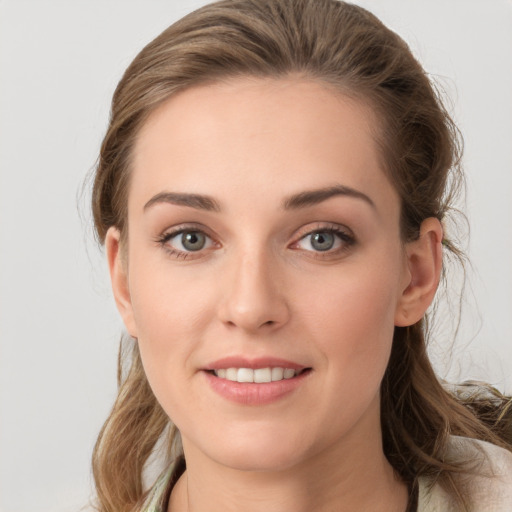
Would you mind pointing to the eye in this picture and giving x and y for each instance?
(332, 239)
(191, 240)
(321, 240)
(183, 242)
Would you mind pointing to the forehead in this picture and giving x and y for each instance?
(255, 137)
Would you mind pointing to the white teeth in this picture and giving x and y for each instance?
(288, 373)
(260, 375)
(277, 374)
(232, 374)
(245, 375)
(263, 375)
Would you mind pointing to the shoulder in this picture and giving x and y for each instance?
(488, 487)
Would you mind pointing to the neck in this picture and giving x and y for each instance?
(351, 475)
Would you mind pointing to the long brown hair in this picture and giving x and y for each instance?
(350, 49)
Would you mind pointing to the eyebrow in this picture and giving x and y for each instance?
(197, 201)
(313, 197)
(294, 202)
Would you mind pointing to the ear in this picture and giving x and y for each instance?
(118, 267)
(424, 263)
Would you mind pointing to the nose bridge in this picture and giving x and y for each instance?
(253, 300)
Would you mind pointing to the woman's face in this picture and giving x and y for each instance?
(263, 242)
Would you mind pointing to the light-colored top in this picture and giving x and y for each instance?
(489, 491)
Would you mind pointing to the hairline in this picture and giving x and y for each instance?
(363, 99)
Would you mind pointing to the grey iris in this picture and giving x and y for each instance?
(322, 241)
(193, 240)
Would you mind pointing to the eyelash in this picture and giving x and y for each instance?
(164, 239)
(342, 234)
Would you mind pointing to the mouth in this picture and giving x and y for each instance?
(260, 381)
(258, 375)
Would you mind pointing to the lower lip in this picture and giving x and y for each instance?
(249, 393)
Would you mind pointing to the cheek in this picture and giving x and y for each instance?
(166, 298)
(352, 319)
(171, 312)
(356, 298)
(351, 322)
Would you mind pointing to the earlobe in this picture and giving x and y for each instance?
(424, 264)
(118, 269)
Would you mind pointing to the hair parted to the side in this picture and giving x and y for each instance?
(349, 49)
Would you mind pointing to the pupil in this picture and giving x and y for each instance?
(322, 241)
(193, 241)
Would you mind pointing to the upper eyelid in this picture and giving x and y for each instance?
(328, 226)
(180, 228)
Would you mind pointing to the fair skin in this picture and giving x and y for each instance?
(233, 252)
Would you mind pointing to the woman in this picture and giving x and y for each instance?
(271, 193)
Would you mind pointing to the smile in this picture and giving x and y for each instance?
(259, 375)
(256, 386)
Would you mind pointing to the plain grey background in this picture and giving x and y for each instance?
(59, 62)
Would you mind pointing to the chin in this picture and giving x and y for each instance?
(255, 449)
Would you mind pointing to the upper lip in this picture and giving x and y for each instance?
(254, 363)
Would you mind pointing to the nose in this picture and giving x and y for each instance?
(253, 298)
